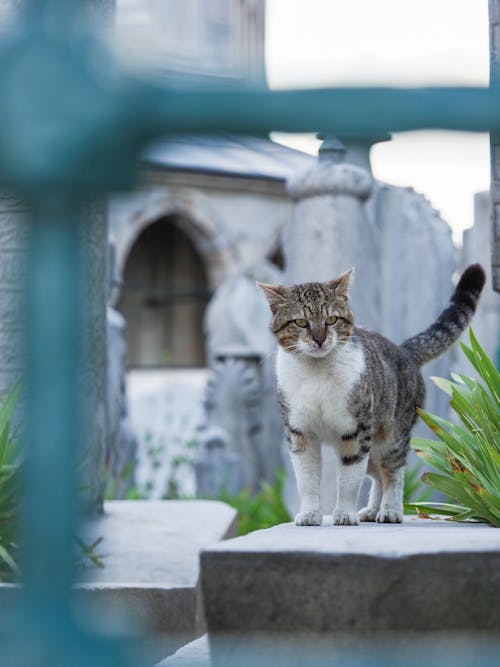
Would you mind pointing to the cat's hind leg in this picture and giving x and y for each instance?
(369, 513)
(306, 460)
(392, 473)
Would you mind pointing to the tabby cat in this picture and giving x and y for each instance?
(354, 389)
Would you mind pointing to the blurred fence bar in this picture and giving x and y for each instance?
(72, 126)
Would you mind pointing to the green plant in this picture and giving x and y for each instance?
(414, 491)
(467, 455)
(263, 510)
(9, 483)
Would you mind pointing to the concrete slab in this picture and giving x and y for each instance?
(417, 576)
(150, 551)
(157, 541)
(149, 582)
(194, 654)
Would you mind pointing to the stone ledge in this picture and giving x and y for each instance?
(149, 582)
(417, 576)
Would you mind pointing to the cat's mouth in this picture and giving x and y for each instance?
(317, 352)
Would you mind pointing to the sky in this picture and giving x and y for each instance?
(392, 42)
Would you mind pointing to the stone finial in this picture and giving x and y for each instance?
(331, 175)
(330, 178)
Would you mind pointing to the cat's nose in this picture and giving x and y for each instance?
(318, 336)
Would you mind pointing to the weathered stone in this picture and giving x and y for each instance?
(418, 576)
(477, 248)
(93, 374)
(194, 654)
(149, 580)
(450, 650)
(240, 398)
(121, 442)
(417, 261)
(13, 248)
(330, 232)
(217, 468)
(150, 552)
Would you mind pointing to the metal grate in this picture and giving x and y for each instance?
(71, 127)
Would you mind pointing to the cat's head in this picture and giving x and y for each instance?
(311, 319)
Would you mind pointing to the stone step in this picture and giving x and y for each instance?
(149, 582)
(418, 576)
(194, 654)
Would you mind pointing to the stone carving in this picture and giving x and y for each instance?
(121, 442)
(94, 253)
(232, 404)
(240, 399)
(216, 467)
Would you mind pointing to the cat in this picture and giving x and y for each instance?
(354, 389)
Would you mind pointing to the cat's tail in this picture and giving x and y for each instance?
(453, 320)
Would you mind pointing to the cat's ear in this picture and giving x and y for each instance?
(342, 283)
(275, 294)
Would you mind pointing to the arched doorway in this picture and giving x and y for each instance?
(163, 299)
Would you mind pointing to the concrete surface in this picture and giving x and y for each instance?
(417, 576)
(149, 582)
(150, 551)
(194, 654)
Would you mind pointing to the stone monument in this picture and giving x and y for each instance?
(240, 402)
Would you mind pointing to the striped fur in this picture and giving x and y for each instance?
(355, 390)
(448, 327)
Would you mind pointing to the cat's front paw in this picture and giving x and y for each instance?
(367, 514)
(311, 518)
(342, 518)
(389, 516)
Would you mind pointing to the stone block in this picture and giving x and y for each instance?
(419, 576)
(148, 584)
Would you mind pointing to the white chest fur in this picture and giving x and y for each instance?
(317, 390)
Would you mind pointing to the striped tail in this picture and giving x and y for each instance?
(453, 320)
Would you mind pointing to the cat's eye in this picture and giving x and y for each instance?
(301, 323)
(331, 320)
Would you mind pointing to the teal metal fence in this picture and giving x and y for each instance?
(71, 127)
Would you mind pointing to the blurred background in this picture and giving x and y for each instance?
(214, 214)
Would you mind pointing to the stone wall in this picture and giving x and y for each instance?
(494, 6)
(223, 38)
(233, 222)
(13, 247)
(477, 248)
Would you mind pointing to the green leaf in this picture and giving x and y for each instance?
(443, 384)
(8, 560)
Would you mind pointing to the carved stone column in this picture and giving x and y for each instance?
(13, 246)
(94, 373)
(330, 231)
